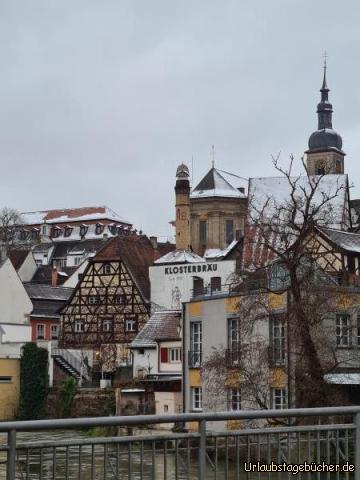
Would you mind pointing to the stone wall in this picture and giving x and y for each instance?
(88, 402)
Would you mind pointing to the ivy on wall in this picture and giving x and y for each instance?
(34, 381)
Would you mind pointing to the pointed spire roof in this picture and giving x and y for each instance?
(217, 183)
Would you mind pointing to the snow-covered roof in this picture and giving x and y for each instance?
(346, 240)
(180, 256)
(218, 183)
(270, 193)
(213, 253)
(71, 215)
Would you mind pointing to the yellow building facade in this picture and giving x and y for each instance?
(9, 388)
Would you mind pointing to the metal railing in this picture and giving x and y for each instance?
(310, 438)
(194, 358)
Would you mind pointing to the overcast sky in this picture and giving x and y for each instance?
(100, 100)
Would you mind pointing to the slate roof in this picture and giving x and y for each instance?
(47, 292)
(72, 215)
(47, 309)
(345, 240)
(162, 326)
(138, 254)
(217, 183)
(17, 257)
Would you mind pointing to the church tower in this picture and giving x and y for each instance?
(182, 193)
(325, 155)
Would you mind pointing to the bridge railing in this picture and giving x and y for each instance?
(306, 443)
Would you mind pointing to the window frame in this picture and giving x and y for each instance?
(174, 352)
(277, 339)
(78, 323)
(56, 327)
(131, 321)
(37, 331)
(279, 394)
(340, 329)
(234, 398)
(203, 231)
(196, 399)
(107, 321)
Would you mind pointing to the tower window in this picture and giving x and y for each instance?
(229, 228)
(202, 231)
(320, 168)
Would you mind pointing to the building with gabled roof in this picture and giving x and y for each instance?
(157, 360)
(111, 302)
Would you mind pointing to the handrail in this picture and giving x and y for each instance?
(31, 425)
(72, 360)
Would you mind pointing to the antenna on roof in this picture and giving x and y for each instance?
(212, 156)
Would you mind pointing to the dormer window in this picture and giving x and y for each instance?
(113, 229)
(35, 234)
(99, 228)
(83, 230)
(67, 231)
(56, 232)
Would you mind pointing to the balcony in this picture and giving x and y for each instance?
(194, 359)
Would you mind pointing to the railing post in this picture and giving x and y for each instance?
(11, 456)
(202, 450)
(357, 446)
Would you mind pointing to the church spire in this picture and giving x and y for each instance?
(324, 108)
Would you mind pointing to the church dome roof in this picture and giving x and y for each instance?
(325, 139)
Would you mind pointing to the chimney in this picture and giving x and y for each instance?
(154, 242)
(54, 277)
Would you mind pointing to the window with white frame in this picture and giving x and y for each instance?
(175, 355)
(107, 324)
(40, 331)
(54, 332)
(106, 268)
(119, 299)
(279, 398)
(196, 398)
(130, 325)
(79, 326)
(277, 339)
(343, 331)
(234, 399)
(77, 260)
(195, 344)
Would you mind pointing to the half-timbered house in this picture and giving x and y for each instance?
(111, 302)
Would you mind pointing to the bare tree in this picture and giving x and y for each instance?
(281, 235)
(10, 225)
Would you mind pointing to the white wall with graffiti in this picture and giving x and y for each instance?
(172, 284)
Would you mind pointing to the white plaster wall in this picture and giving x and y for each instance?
(150, 357)
(16, 333)
(27, 269)
(15, 305)
(171, 399)
(169, 367)
(169, 290)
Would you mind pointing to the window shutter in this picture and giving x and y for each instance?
(163, 355)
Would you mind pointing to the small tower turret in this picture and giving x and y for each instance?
(182, 205)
